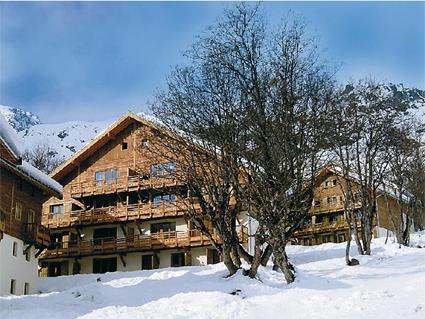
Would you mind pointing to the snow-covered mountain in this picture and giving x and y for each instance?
(19, 119)
(64, 139)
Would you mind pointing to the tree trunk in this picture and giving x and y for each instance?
(256, 261)
(266, 255)
(227, 259)
(281, 259)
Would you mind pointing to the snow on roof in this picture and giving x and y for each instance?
(10, 138)
(33, 172)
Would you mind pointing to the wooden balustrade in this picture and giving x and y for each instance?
(113, 214)
(37, 234)
(110, 245)
(323, 227)
(133, 182)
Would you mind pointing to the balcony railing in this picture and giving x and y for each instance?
(113, 214)
(37, 234)
(93, 187)
(110, 245)
(323, 227)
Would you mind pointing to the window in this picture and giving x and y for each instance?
(98, 177)
(327, 184)
(18, 210)
(111, 175)
(124, 146)
(177, 259)
(15, 248)
(167, 199)
(147, 262)
(56, 210)
(26, 288)
(357, 196)
(31, 217)
(164, 169)
(12, 286)
(332, 200)
(145, 142)
(28, 255)
(165, 227)
(156, 202)
(316, 202)
(334, 182)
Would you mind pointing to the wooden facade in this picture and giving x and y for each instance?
(21, 199)
(118, 198)
(327, 222)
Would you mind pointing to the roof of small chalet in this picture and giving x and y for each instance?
(100, 140)
(10, 140)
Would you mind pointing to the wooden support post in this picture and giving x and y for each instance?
(123, 260)
(124, 230)
(139, 227)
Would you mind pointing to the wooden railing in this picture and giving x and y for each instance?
(113, 214)
(323, 227)
(93, 187)
(37, 234)
(162, 240)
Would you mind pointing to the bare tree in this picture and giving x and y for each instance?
(363, 119)
(416, 184)
(255, 105)
(42, 157)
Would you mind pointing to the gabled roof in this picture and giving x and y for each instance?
(100, 140)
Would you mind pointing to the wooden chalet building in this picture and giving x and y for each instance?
(120, 209)
(327, 222)
(23, 189)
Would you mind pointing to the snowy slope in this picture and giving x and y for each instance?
(19, 119)
(64, 138)
(390, 284)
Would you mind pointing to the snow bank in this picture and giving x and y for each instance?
(388, 284)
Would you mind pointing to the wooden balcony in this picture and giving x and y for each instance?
(322, 227)
(34, 233)
(122, 184)
(136, 243)
(114, 214)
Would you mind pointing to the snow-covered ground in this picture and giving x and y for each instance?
(388, 284)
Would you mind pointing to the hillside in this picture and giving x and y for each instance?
(389, 284)
(67, 138)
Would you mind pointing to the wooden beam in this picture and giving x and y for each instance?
(123, 260)
(124, 230)
(139, 227)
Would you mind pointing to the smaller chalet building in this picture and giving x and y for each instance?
(23, 189)
(327, 222)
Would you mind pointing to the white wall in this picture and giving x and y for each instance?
(16, 267)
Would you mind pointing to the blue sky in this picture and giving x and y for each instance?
(95, 61)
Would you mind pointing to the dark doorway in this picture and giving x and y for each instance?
(58, 269)
(102, 265)
(213, 257)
